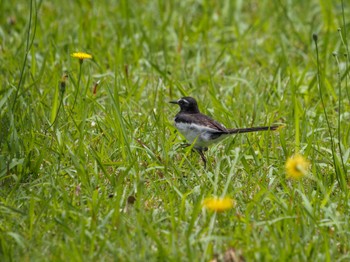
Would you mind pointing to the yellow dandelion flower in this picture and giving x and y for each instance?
(81, 56)
(218, 204)
(297, 167)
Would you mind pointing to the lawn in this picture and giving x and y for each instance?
(92, 167)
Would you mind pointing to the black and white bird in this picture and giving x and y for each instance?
(203, 131)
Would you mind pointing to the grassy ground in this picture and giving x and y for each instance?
(101, 177)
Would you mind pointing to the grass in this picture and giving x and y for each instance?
(101, 177)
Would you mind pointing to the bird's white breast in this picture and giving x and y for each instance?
(202, 133)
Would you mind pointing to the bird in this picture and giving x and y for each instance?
(202, 130)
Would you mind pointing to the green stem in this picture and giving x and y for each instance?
(339, 114)
(78, 85)
(29, 43)
(339, 176)
(58, 111)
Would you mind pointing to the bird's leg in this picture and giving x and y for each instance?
(200, 151)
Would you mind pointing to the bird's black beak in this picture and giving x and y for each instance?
(174, 102)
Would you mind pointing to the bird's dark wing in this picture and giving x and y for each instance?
(200, 119)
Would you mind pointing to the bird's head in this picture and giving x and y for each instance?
(187, 104)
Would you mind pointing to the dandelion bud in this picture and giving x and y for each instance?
(131, 199)
(314, 37)
(126, 70)
(63, 83)
(94, 89)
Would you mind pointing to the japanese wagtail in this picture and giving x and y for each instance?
(203, 131)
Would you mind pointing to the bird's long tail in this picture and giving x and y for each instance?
(252, 129)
